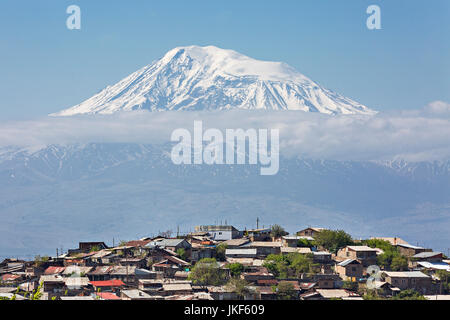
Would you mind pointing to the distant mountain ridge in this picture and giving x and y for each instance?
(63, 194)
(210, 78)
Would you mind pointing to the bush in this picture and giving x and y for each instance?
(206, 272)
(235, 269)
(220, 252)
(291, 265)
(333, 240)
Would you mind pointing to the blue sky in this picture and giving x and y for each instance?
(44, 67)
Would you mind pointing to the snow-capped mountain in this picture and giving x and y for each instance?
(210, 78)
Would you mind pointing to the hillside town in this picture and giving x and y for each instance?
(220, 262)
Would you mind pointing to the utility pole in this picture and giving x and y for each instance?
(257, 223)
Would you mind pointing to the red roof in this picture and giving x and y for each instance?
(108, 283)
(137, 243)
(108, 296)
(10, 277)
(54, 270)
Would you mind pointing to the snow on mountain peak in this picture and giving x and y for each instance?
(211, 78)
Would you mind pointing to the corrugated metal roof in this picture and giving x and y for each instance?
(361, 248)
(240, 252)
(347, 262)
(426, 254)
(406, 274)
(107, 283)
(177, 287)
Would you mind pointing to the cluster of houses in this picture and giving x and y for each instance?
(159, 269)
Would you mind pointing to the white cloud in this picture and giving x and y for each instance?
(411, 135)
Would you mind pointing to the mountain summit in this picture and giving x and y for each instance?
(210, 78)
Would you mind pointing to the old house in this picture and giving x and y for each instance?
(264, 248)
(364, 254)
(258, 275)
(171, 289)
(410, 250)
(404, 280)
(241, 253)
(309, 232)
(52, 285)
(350, 270)
(108, 285)
(173, 244)
(259, 234)
(220, 232)
(430, 257)
(135, 294)
(322, 257)
(301, 250)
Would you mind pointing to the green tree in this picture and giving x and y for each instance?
(350, 285)
(206, 272)
(291, 265)
(285, 291)
(408, 295)
(182, 253)
(277, 231)
(235, 269)
(444, 277)
(399, 263)
(239, 286)
(220, 252)
(333, 240)
(305, 243)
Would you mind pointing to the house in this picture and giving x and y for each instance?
(201, 251)
(76, 270)
(134, 294)
(434, 266)
(410, 250)
(170, 266)
(325, 281)
(100, 273)
(52, 285)
(76, 285)
(106, 296)
(264, 248)
(222, 293)
(309, 232)
(220, 232)
(322, 257)
(11, 279)
(292, 241)
(84, 247)
(301, 250)
(392, 240)
(177, 288)
(266, 293)
(335, 293)
(236, 243)
(404, 280)
(54, 270)
(350, 270)
(364, 254)
(125, 273)
(172, 244)
(241, 253)
(431, 257)
(133, 262)
(257, 276)
(259, 234)
(108, 285)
